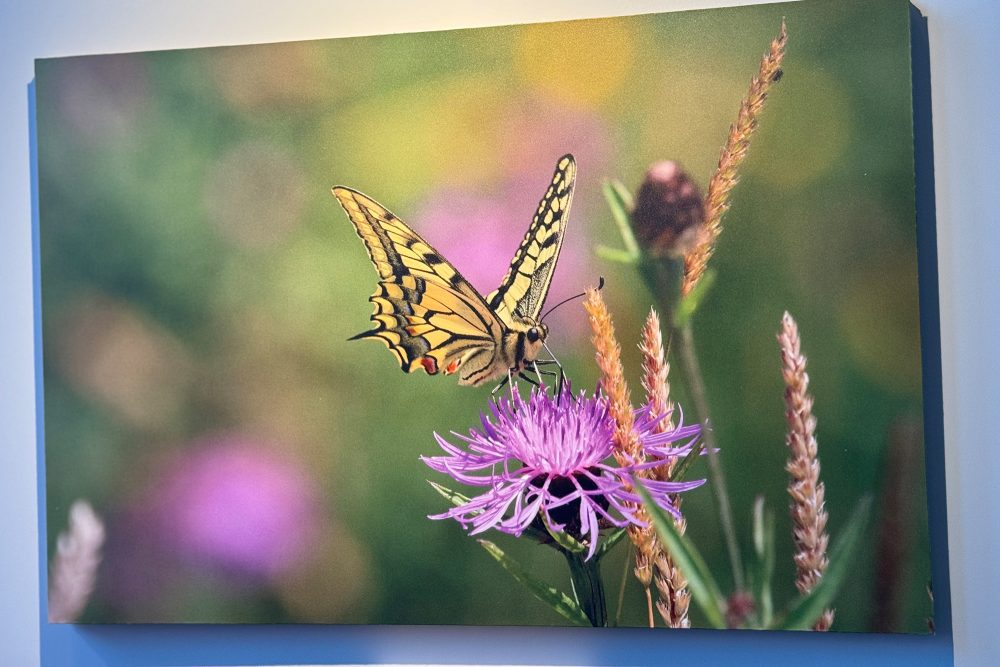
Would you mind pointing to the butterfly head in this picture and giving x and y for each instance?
(533, 340)
(537, 334)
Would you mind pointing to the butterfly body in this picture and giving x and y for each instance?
(432, 318)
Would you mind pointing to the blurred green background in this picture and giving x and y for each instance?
(199, 284)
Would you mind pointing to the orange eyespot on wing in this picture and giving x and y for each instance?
(429, 364)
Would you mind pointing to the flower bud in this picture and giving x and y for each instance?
(669, 213)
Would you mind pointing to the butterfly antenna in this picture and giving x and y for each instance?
(600, 286)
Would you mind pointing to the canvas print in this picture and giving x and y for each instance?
(611, 322)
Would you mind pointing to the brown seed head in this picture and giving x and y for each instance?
(609, 360)
(804, 486)
(732, 156)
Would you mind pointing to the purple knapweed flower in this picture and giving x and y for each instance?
(550, 458)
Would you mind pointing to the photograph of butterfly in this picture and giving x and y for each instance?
(202, 299)
(430, 317)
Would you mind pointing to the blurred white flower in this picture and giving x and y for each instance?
(73, 570)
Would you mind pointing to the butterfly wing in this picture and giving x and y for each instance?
(426, 313)
(522, 292)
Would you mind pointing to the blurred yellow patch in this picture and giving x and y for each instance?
(880, 318)
(806, 128)
(686, 115)
(397, 143)
(334, 585)
(584, 62)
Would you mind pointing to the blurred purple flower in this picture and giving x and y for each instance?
(539, 129)
(478, 235)
(105, 97)
(546, 457)
(239, 505)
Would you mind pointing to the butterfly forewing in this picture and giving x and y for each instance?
(427, 314)
(522, 291)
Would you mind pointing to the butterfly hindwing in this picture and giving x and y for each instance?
(426, 313)
(522, 291)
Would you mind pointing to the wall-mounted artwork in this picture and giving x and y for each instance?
(609, 322)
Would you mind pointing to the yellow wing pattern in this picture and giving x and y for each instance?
(426, 313)
(430, 317)
(522, 291)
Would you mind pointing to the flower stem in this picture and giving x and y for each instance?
(588, 587)
(683, 347)
(664, 281)
(621, 588)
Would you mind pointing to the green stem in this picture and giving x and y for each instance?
(621, 588)
(588, 587)
(683, 348)
(663, 277)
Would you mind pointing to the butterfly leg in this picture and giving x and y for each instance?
(530, 381)
(542, 371)
(500, 385)
(562, 373)
(538, 374)
(556, 374)
(508, 381)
